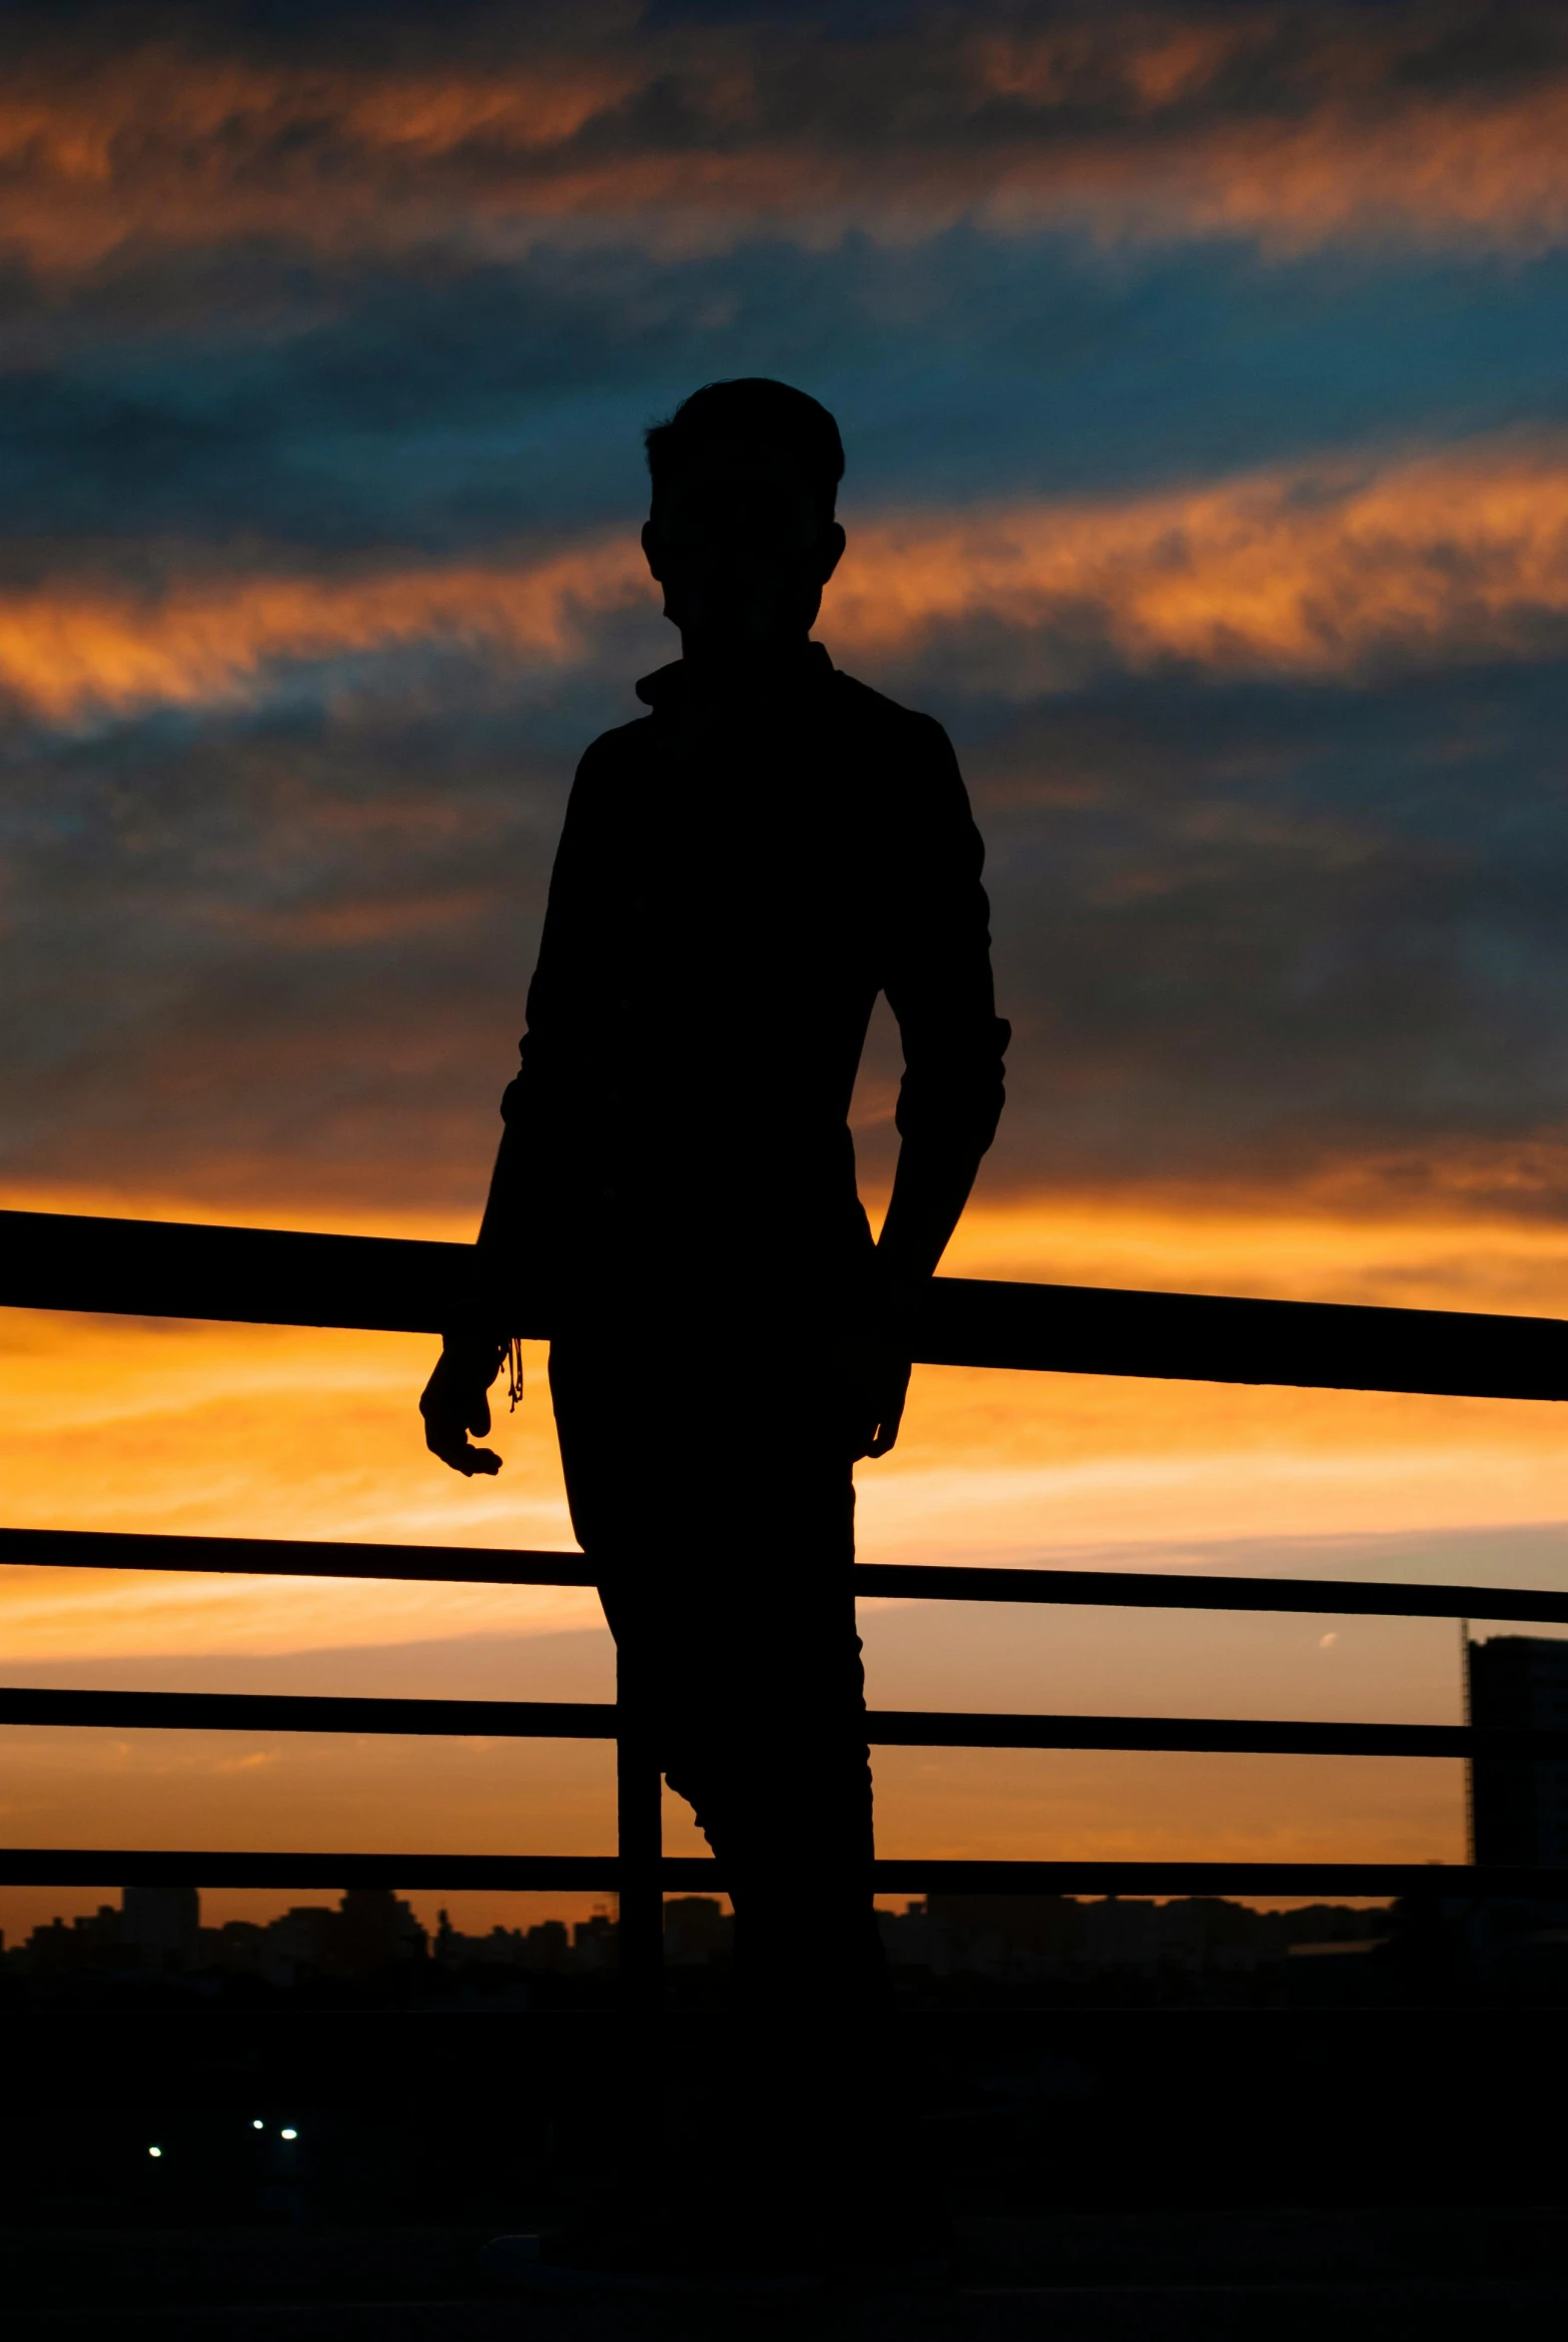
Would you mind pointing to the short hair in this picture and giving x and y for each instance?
(753, 409)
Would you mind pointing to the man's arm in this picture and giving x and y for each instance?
(939, 987)
(474, 1349)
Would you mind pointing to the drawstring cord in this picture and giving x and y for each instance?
(514, 1373)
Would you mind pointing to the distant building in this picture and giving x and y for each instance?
(697, 1928)
(376, 1930)
(594, 1944)
(239, 1948)
(541, 1950)
(1025, 1938)
(156, 1930)
(1520, 1811)
(1047, 1926)
(300, 1941)
(59, 1948)
(548, 1946)
(162, 1923)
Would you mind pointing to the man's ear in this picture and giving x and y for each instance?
(833, 544)
(650, 542)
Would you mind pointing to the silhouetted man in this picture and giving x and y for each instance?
(741, 872)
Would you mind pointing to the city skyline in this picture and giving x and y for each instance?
(368, 1933)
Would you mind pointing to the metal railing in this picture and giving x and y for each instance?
(165, 1270)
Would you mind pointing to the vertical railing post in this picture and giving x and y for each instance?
(639, 1852)
(640, 1848)
(1467, 1710)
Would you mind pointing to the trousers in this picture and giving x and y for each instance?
(714, 1498)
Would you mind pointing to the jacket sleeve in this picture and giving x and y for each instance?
(535, 1108)
(938, 976)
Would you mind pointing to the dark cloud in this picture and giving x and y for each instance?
(1254, 937)
(349, 132)
(278, 955)
(426, 409)
(321, 331)
(1280, 936)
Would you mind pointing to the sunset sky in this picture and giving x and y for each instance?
(1204, 376)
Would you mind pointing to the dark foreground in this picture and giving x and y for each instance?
(1270, 2277)
(1342, 2173)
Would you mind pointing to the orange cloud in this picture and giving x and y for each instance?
(1312, 571)
(1307, 570)
(76, 649)
(159, 143)
(1295, 124)
(1292, 124)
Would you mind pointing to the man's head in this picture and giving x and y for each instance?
(741, 534)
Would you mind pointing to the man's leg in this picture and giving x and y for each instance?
(766, 1737)
(727, 1582)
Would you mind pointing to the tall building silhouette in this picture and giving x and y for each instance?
(1520, 1809)
(162, 1922)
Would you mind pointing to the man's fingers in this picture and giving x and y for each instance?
(877, 1435)
(887, 1428)
(453, 1404)
(481, 1460)
(449, 1439)
(875, 1386)
(461, 1456)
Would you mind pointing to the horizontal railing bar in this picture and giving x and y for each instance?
(919, 1581)
(1212, 1736)
(599, 1873)
(310, 1712)
(885, 1726)
(1211, 1337)
(273, 1276)
(1149, 1590)
(256, 1276)
(291, 1557)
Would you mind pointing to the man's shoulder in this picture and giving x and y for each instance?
(904, 757)
(621, 740)
(873, 710)
(624, 749)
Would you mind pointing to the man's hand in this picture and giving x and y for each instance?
(454, 1403)
(872, 1371)
(871, 1368)
(872, 1361)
